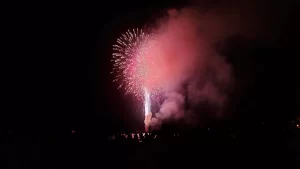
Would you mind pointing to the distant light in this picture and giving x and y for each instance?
(298, 126)
(73, 131)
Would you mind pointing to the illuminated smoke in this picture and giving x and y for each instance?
(189, 70)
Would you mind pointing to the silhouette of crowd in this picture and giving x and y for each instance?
(173, 136)
(134, 137)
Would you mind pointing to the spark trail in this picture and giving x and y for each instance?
(147, 103)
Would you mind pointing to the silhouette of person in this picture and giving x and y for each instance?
(135, 137)
(129, 137)
(141, 136)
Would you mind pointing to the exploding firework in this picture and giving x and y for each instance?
(132, 63)
(129, 61)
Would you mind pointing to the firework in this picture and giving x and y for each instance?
(129, 60)
(132, 63)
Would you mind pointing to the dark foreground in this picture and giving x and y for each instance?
(200, 149)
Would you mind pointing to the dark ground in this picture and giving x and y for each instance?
(208, 149)
(199, 148)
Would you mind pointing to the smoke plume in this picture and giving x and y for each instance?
(191, 72)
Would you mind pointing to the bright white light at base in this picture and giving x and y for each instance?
(147, 103)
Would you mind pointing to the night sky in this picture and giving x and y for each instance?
(58, 67)
(60, 105)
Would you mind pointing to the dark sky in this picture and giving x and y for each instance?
(58, 67)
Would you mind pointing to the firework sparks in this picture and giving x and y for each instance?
(147, 103)
(147, 106)
(129, 61)
(132, 63)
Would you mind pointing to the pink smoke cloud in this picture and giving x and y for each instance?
(176, 51)
(187, 67)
